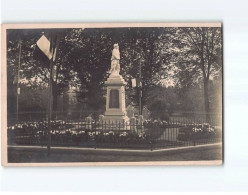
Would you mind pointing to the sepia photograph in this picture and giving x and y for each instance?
(112, 94)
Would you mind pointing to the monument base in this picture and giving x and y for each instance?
(116, 122)
(115, 119)
(115, 116)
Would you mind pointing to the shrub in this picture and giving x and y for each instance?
(198, 131)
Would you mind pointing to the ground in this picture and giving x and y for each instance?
(38, 154)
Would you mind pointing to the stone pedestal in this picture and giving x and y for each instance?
(115, 101)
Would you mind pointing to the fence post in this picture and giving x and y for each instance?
(151, 142)
(94, 128)
(194, 140)
(151, 139)
(88, 122)
(141, 121)
(101, 117)
(133, 124)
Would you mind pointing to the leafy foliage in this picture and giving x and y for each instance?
(190, 58)
(199, 60)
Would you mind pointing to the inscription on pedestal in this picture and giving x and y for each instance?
(114, 99)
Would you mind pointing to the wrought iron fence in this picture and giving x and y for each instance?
(43, 116)
(135, 134)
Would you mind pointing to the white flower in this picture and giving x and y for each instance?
(123, 134)
(210, 129)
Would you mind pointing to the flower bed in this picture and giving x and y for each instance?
(43, 125)
(195, 132)
(62, 134)
(33, 132)
(154, 123)
(114, 137)
(80, 134)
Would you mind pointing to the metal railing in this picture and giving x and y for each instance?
(87, 132)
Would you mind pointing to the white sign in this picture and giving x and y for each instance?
(54, 73)
(133, 82)
(44, 45)
(18, 91)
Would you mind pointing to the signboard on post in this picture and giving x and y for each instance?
(18, 91)
(136, 82)
(54, 73)
(133, 82)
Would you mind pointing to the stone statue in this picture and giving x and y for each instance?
(115, 61)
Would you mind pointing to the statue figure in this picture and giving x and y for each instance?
(115, 61)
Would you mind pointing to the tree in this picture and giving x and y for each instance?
(15, 38)
(145, 48)
(91, 54)
(83, 60)
(199, 53)
(34, 63)
(89, 59)
(162, 102)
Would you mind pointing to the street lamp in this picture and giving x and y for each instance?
(18, 81)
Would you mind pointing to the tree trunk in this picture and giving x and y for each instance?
(206, 99)
(55, 100)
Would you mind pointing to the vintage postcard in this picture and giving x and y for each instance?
(112, 94)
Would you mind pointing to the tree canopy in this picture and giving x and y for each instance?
(189, 58)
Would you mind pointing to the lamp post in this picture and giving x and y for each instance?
(18, 81)
(137, 83)
(140, 89)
